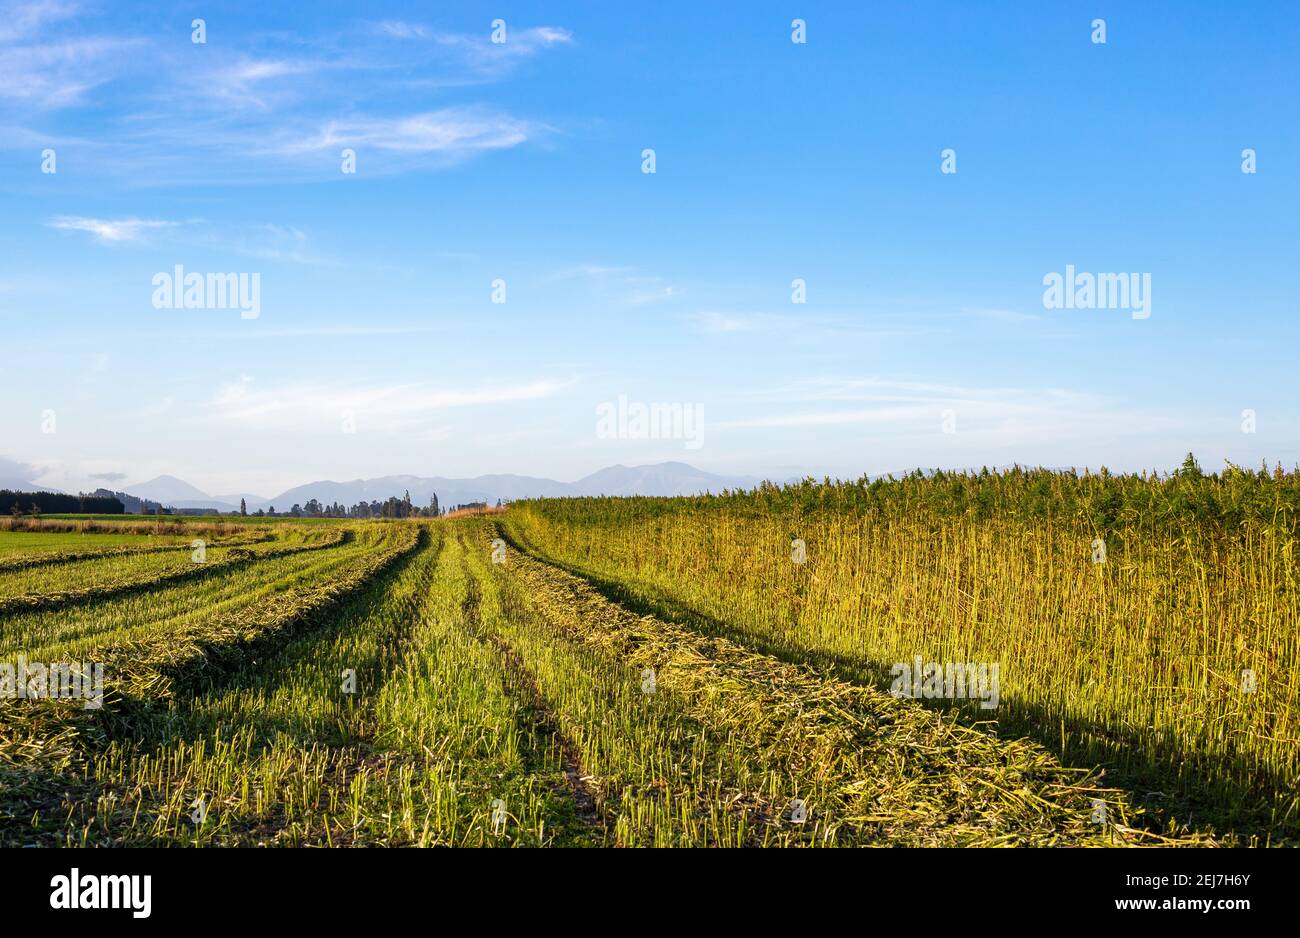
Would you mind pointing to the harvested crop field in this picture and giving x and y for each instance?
(646, 675)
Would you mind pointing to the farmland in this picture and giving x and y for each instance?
(711, 671)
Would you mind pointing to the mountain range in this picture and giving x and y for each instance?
(660, 479)
(669, 478)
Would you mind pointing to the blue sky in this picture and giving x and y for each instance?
(522, 161)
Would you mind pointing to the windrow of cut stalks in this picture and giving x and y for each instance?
(421, 751)
(870, 768)
(52, 558)
(1174, 663)
(160, 525)
(639, 768)
(45, 745)
(103, 577)
(71, 632)
(164, 666)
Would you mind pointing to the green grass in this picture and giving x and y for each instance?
(16, 543)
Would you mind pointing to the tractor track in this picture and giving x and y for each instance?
(537, 718)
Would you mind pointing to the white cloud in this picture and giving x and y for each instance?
(460, 59)
(47, 71)
(270, 111)
(260, 83)
(876, 389)
(619, 284)
(793, 327)
(401, 30)
(909, 413)
(21, 20)
(312, 406)
(448, 131)
(520, 44)
(590, 270)
(58, 74)
(874, 415)
(716, 323)
(653, 295)
(999, 315)
(106, 229)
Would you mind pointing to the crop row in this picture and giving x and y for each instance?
(51, 558)
(101, 577)
(59, 632)
(49, 751)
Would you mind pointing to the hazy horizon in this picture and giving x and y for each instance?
(148, 487)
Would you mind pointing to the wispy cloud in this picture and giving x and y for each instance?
(831, 388)
(715, 323)
(654, 294)
(872, 415)
(450, 132)
(281, 244)
(618, 283)
(58, 74)
(259, 83)
(44, 70)
(110, 229)
(793, 327)
(273, 110)
(398, 29)
(590, 270)
(316, 331)
(285, 244)
(493, 60)
(516, 42)
(392, 407)
(22, 20)
(912, 412)
(999, 315)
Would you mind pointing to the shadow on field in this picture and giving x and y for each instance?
(1219, 795)
(42, 747)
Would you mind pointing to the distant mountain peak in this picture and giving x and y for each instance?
(165, 488)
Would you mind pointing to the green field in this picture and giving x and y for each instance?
(664, 672)
(14, 543)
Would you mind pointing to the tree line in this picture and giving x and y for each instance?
(51, 503)
(392, 507)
